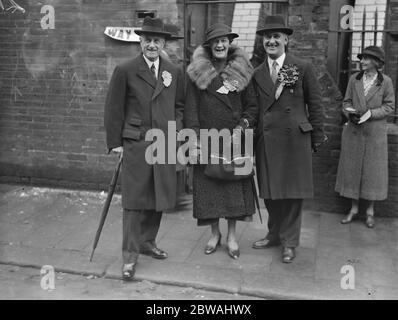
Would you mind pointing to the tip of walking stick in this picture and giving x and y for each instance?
(91, 257)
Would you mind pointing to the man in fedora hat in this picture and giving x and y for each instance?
(144, 93)
(290, 126)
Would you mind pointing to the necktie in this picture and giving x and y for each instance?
(274, 71)
(153, 70)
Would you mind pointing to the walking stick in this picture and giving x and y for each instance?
(105, 210)
(256, 199)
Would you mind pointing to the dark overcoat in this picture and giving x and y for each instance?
(206, 108)
(286, 130)
(363, 165)
(137, 102)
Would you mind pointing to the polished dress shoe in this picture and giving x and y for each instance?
(211, 249)
(348, 219)
(128, 271)
(288, 255)
(155, 253)
(370, 221)
(265, 244)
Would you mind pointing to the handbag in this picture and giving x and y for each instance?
(222, 169)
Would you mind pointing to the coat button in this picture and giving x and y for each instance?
(266, 129)
(288, 109)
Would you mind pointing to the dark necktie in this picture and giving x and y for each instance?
(153, 70)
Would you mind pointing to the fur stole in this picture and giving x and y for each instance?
(238, 70)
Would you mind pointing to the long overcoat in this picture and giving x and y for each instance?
(206, 108)
(137, 102)
(363, 165)
(286, 130)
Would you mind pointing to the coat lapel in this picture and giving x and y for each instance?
(145, 74)
(372, 91)
(263, 78)
(159, 84)
(214, 86)
(360, 92)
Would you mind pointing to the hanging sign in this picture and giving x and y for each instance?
(122, 33)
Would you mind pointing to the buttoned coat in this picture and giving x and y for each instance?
(286, 130)
(206, 108)
(363, 165)
(137, 102)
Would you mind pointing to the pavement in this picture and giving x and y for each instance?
(44, 226)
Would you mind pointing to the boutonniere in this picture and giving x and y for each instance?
(167, 78)
(228, 86)
(287, 77)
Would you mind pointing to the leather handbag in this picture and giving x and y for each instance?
(220, 168)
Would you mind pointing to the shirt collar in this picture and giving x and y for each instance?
(150, 63)
(280, 61)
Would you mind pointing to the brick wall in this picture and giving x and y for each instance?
(53, 85)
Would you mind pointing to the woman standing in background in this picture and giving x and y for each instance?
(363, 165)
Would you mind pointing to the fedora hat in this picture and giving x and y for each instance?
(173, 30)
(373, 51)
(153, 26)
(274, 23)
(219, 30)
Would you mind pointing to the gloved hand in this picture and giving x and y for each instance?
(354, 118)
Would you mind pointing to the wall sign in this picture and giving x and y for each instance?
(122, 33)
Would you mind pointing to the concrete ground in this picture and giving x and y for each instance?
(41, 226)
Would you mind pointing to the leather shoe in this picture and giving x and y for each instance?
(211, 249)
(288, 255)
(128, 271)
(370, 222)
(265, 244)
(155, 253)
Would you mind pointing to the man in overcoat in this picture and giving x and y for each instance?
(144, 93)
(290, 128)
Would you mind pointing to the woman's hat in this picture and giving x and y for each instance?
(275, 23)
(153, 26)
(219, 30)
(173, 30)
(373, 51)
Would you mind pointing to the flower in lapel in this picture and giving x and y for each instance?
(287, 77)
(167, 78)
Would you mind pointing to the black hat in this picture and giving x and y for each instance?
(219, 30)
(275, 23)
(153, 26)
(173, 30)
(373, 51)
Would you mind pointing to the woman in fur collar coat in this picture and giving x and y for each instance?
(220, 96)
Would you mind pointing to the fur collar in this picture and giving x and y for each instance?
(237, 71)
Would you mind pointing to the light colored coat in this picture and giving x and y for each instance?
(363, 165)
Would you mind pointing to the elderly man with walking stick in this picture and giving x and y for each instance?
(144, 93)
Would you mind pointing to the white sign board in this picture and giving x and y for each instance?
(122, 33)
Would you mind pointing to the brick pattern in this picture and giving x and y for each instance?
(53, 85)
(244, 23)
